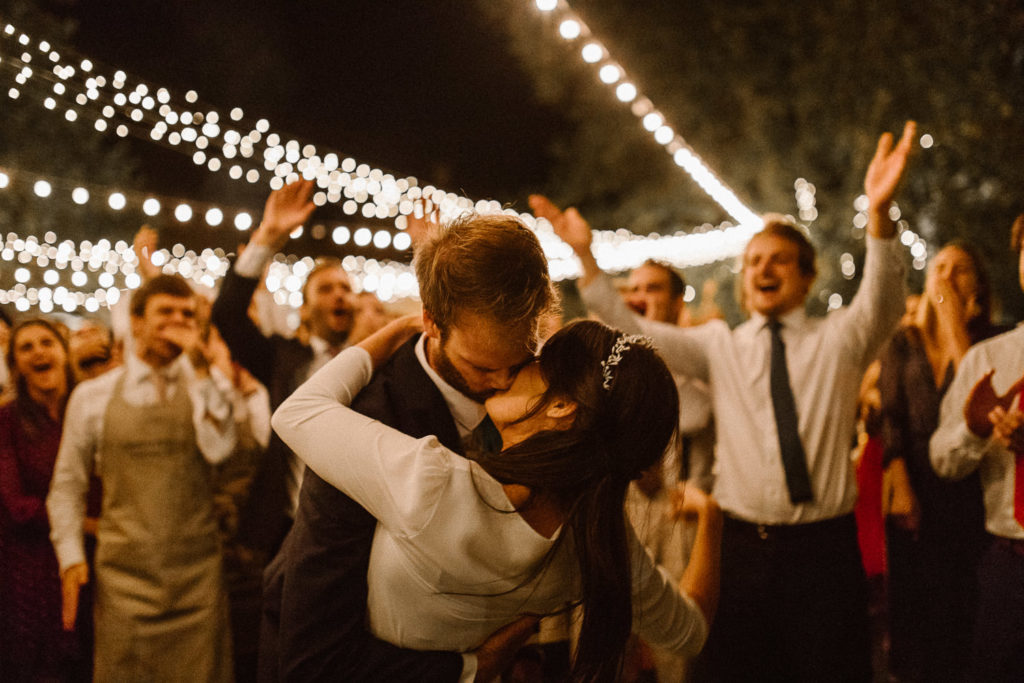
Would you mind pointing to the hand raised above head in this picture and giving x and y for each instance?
(424, 222)
(569, 225)
(285, 210)
(888, 166)
(145, 245)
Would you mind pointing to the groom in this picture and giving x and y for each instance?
(484, 285)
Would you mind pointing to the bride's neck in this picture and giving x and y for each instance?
(540, 511)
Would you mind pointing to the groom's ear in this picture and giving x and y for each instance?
(430, 328)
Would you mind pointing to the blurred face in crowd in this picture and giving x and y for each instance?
(478, 355)
(328, 305)
(649, 293)
(1020, 267)
(167, 326)
(955, 266)
(371, 311)
(5, 335)
(773, 283)
(39, 358)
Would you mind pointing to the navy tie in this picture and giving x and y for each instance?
(485, 438)
(794, 461)
(490, 437)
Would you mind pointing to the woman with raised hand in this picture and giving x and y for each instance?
(34, 645)
(464, 547)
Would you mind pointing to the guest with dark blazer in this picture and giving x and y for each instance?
(281, 364)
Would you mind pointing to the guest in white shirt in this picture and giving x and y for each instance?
(981, 428)
(463, 548)
(784, 389)
(151, 429)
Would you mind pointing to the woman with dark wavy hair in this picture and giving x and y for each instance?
(463, 548)
(34, 646)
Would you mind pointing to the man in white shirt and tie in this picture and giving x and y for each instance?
(784, 388)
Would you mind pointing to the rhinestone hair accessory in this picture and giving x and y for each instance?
(620, 346)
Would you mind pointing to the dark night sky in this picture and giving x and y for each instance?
(417, 88)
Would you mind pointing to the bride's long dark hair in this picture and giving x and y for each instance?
(618, 432)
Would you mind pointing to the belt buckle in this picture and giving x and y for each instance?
(762, 532)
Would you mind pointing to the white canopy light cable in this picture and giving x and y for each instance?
(236, 144)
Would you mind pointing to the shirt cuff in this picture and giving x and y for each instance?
(975, 447)
(469, 666)
(251, 261)
(70, 552)
(219, 395)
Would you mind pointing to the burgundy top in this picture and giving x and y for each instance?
(33, 643)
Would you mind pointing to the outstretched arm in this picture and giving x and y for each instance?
(883, 179)
(285, 210)
(681, 348)
(572, 229)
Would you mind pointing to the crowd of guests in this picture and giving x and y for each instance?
(483, 489)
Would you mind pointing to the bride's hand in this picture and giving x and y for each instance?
(385, 341)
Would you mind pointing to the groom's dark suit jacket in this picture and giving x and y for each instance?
(314, 621)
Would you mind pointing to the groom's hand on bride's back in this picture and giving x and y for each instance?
(496, 653)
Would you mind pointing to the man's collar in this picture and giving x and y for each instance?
(140, 370)
(466, 412)
(321, 345)
(318, 344)
(793, 318)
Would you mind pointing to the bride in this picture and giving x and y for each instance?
(464, 547)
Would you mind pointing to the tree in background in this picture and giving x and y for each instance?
(36, 141)
(770, 92)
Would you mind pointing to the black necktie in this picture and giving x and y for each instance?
(794, 462)
(485, 438)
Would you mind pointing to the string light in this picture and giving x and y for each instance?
(247, 149)
(114, 268)
(917, 245)
(610, 72)
(250, 150)
(805, 200)
(183, 210)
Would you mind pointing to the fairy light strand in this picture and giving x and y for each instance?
(217, 142)
(611, 72)
(113, 104)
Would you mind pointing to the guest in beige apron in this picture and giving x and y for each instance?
(161, 608)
